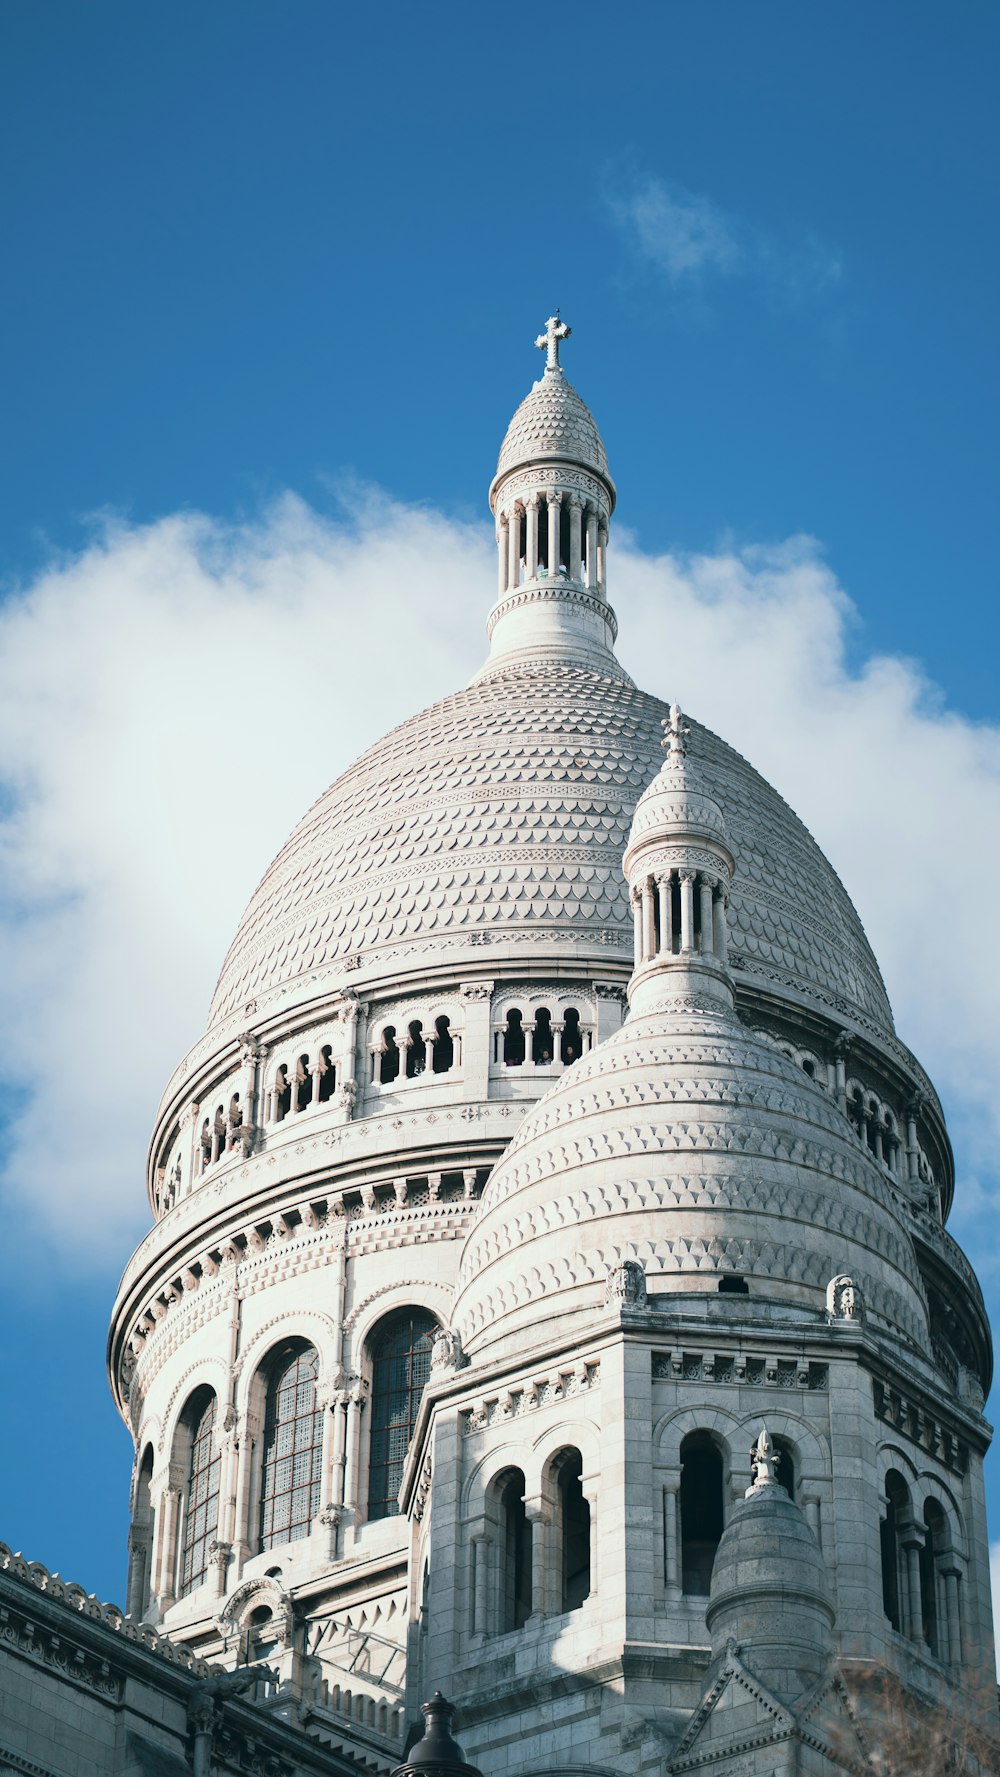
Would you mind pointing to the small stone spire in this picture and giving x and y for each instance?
(679, 870)
(548, 342)
(764, 1465)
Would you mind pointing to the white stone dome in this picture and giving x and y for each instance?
(498, 818)
(693, 1145)
(553, 423)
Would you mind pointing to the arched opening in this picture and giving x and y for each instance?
(733, 1285)
(327, 1073)
(416, 1050)
(219, 1132)
(701, 1511)
(675, 913)
(401, 1363)
(513, 1040)
(515, 1553)
(542, 1039)
(809, 1067)
(235, 1121)
(574, 1531)
(444, 1046)
(292, 1446)
(571, 1045)
(933, 1547)
(201, 1499)
(303, 1083)
(388, 1065)
(260, 1637)
(871, 1126)
(141, 1542)
(897, 1511)
(205, 1144)
(856, 1112)
(282, 1094)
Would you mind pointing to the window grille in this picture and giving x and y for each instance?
(293, 1449)
(201, 1520)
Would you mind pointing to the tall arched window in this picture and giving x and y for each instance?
(897, 1513)
(515, 1554)
(935, 1536)
(292, 1448)
(574, 1531)
(701, 1511)
(444, 1046)
(542, 1039)
(571, 1045)
(513, 1040)
(388, 1064)
(401, 1364)
(201, 1513)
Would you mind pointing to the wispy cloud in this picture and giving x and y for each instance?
(688, 240)
(172, 700)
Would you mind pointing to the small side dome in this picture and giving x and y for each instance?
(770, 1590)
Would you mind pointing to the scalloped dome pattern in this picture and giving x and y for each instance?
(553, 421)
(501, 814)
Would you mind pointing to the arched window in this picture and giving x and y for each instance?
(571, 1044)
(515, 1554)
(701, 1511)
(282, 1094)
(401, 1364)
(218, 1132)
(303, 1083)
(574, 1531)
(201, 1507)
(292, 1447)
(327, 1073)
(542, 1039)
(856, 1112)
(235, 1121)
(205, 1142)
(444, 1046)
(388, 1066)
(416, 1050)
(897, 1512)
(141, 1540)
(513, 1040)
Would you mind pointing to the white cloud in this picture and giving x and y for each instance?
(687, 238)
(173, 699)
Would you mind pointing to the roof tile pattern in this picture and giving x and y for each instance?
(502, 813)
(552, 421)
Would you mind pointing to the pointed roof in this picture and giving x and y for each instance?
(553, 424)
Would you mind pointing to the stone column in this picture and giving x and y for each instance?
(812, 1514)
(720, 935)
(541, 1537)
(242, 1534)
(637, 926)
(480, 1585)
(219, 1555)
(953, 1615)
(501, 554)
(648, 920)
(575, 535)
(554, 504)
(531, 505)
(912, 1540)
(687, 912)
(338, 1459)
(355, 1408)
(170, 1506)
(513, 549)
(191, 1146)
(671, 1567)
(591, 549)
(140, 1548)
(912, 1144)
(664, 885)
(840, 1049)
(705, 896)
(602, 557)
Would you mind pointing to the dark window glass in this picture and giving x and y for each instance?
(201, 1519)
(327, 1073)
(513, 1041)
(516, 1573)
(401, 1364)
(444, 1046)
(293, 1446)
(541, 1041)
(701, 1511)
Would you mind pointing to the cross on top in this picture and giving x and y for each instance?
(675, 732)
(548, 342)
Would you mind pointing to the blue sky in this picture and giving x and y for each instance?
(253, 251)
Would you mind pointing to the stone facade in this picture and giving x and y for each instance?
(437, 1225)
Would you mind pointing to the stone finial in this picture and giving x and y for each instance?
(675, 733)
(436, 1753)
(764, 1462)
(844, 1300)
(548, 342)
(626, 1284)
(446, 1350)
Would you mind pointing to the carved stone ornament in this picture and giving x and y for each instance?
(844, 1300)
(626, 1284)
(446, 1351)
(476, 990)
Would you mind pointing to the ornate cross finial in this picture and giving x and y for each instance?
(675, 733)
(548, 342)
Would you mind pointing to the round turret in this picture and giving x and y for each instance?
(771, 1591)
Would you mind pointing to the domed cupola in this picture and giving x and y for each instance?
(770, 1590)
(679, 871)
(552, 498)
(686, 1145)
